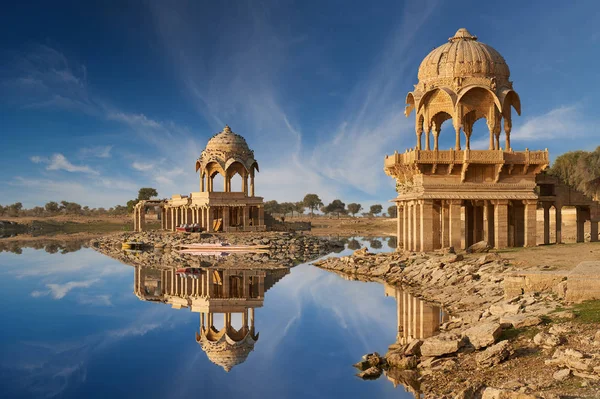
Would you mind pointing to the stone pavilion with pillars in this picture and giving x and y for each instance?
(234, 209)
(226, 292)
(459, 196)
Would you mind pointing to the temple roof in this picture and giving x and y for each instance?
(463, 56)
(225, 148)
(226, 351)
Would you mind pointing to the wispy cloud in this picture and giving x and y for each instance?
(60, 162)
(59, 291)
(142, 166)
(97, 152)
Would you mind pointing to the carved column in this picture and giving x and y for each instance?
(426, 225)
(469, 224)
(580, 225)
(457, 145)
(427, 138)
(246, 217)
(209, 219)
(501, 223)
(417, 227)
(558, 223)
(445, 224)
(201, 181)
(546, 206)
(252, 183)
(507, 129)
(490, 124)
(530, 222)
(489, 223)
(478, 227)
(419, 134)
(454, 225)
(399, 224)
(409, 226)
(405, 226)
(436, 134)
(437, 226)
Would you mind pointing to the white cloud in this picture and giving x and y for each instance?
(142, 167)
(36, 159)
(60, 162)
(97, 152)
(59, 291)
(134, 119)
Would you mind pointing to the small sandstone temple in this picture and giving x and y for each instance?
(234, 209)
(459, 196)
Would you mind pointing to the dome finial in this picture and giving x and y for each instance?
(462, 34)
(227, 128)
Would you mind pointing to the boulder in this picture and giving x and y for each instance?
(402, 362)
(505, 309)
(483, 335)
(597, 336)
(414, 348)
(562, 374)
(547, 340)
(479, 247)
(372, 373)
(520, 321)
(493, 355)
(487, 258)
(440, 346)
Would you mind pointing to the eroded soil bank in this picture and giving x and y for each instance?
(528, 346)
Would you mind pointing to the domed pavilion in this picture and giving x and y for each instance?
(226, 155)
(489, 194)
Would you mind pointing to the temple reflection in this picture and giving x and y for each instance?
(416, 319)
(229, 294)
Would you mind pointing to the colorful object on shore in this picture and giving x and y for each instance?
(193, 272)
(202, 248)
(191, 228)
(132, 245)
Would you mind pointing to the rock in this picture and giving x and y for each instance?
(597, 336)
(483, 335)
(547, 340)
(361, 252)
(414, 348)
(408, 378)
(586, 376)
(479, 247)
(452, 258)
(520, 321)
(371, 373)
(440, 346)
(573, 353)
(454, 323)
(362, 365)
(562, 374)
(487, 258)
(565, 314)
(505, 309)
(402, 362)
(495, 393)
(558, 330)
(494, 355)
(373, 359)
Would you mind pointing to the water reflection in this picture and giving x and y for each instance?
(215, 293)
(51, 246)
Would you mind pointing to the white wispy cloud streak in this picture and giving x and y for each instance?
(97, 152)
(59, 291)
(60, 162)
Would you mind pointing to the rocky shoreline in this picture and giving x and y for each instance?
(284, 249)
(525, 347)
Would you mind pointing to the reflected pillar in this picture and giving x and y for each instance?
(399, 224)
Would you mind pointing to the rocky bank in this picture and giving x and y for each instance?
(161, 249)
(522, 347)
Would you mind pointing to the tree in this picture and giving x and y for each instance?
(580, 170)
(131, 204)
(354, 208)
(272, 207)
(286, 207)
(14, 209)
(146, 193)
(336, 206)
(353, 244)
(324, 210)
(52, 207)
(392, 211)
(71, 208)
(376, 244)
(312, 202)
(37, 211)
(375, 209)
(299, 207)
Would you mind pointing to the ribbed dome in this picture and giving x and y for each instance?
(228, 141)
(226, 351)
(463, 56)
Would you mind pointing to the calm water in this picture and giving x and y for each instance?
(73, 328)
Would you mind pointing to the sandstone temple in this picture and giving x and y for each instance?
(460, 196)
(230, 294)
(234, 209)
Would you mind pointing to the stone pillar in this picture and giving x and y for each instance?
(405, 227)
(469, 224)
(530, 223)
(427, 139)
(409, 226)
(501, 223)
(507, 128)
(252, 184)
(426, 225)
(201, 182)
(437, 225)
(135, 227)
(209, 219)
(399, 225)
(594, 231)
(261, 215)
(445, 224)
(558, 223)
(454, 224)
(489, 223)
(417, 226)
(546, 206)
(246, 218)
(580, 225)
(457, 145)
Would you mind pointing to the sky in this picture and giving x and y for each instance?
(98, 99)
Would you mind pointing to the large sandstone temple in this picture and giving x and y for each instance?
(459, 196)
(233, 209)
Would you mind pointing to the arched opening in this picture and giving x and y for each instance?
(217, 182)
(476, 103)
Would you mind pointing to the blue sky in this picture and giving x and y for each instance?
(98, 99)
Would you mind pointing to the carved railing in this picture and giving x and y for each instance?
(466, 156)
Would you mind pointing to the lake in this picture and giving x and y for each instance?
(78, 324)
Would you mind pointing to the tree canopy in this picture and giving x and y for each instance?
(312, 202)
(146, 193)
(376, 209)
(336, 206)
(392, 211)
(580, 170)
(354, 208)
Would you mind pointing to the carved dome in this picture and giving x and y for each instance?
(224, 350)
(462, 57)
(225, 148)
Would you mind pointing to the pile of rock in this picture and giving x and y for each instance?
(284, 249)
